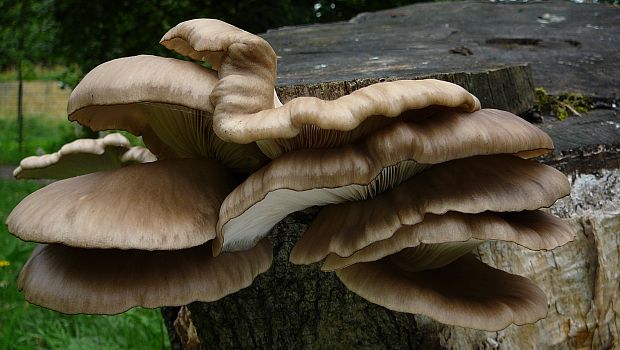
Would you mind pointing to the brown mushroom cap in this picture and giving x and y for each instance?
(304, 178)
(466, 293)
(162, 99)
(109, 281)
(500, 183)
(168, 204)
(532, 229)
(81, 157)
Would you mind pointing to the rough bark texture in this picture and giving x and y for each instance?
(571, 47)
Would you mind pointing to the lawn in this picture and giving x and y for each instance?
(26, 326)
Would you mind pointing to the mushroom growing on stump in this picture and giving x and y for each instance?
(415, 175)
(134, 236)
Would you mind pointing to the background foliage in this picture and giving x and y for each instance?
(80, 34)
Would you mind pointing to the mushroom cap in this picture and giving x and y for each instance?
(304, 178)
(310, 122)
(246, 65)
(168, 204)
(81, 157)
(500, 183)
(534, 230)
(110, 281)
(215, 41)
(164, 100)
(466, 293)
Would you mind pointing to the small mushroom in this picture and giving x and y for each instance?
(163, 205)
(304, 178)
(82, 157)
(466, 292)
(109, 281)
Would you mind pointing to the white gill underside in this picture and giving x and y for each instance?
(244, 231)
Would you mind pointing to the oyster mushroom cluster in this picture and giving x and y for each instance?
(413, 176)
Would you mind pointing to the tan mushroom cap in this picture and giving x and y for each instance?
(309, 122)
(162, 99)
(81, 157)
(535, 230)
(466, 293)
(163, 205)
(246, 64)
(500, 183)
(110, 281)
(304, 178)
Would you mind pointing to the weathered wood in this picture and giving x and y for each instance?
(571, 47)
(584, 144)
(509, 88)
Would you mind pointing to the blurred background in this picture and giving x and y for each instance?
(45, 48)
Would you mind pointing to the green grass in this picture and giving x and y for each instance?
(41, 135)
(26, 326)
(34, 73)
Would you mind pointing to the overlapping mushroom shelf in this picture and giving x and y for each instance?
(134, 236)
(387, 157)
(413, 174)
(408, 248)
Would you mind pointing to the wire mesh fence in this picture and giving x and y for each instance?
(40, 98)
